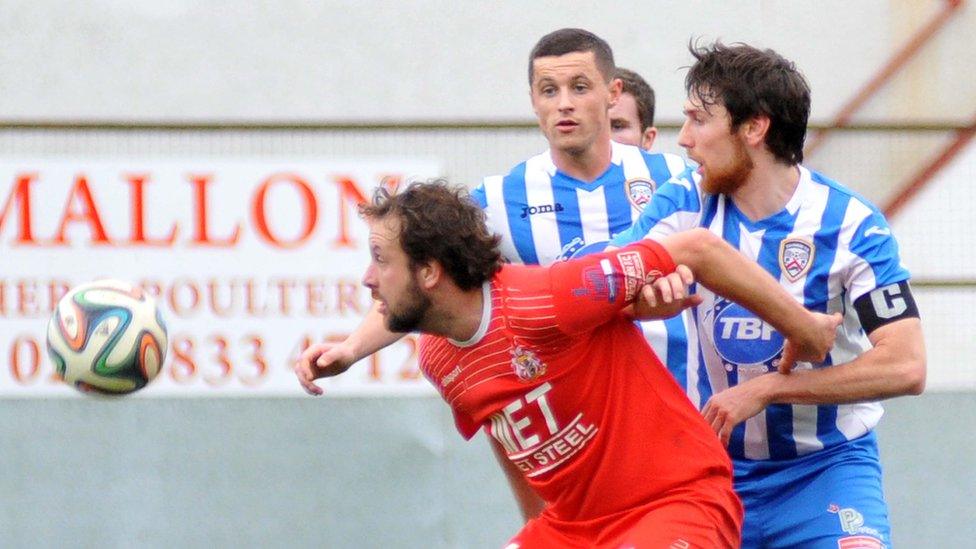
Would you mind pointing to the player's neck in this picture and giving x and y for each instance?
(586, 165)
(456, 315)
(767, 190)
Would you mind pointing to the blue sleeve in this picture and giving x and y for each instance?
(664, 166)
(677, 196)
(874, 244)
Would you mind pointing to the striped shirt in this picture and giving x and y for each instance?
(544, 215)
(827, 247)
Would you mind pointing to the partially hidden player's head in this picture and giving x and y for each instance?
(423, 239)
(632, 118)
(572, 83)
(743, 102)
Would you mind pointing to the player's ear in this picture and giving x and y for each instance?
(616, 89)
(648, 137)
(430, 274)
(755, 129)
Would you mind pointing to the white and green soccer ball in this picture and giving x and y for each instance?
(107, 337)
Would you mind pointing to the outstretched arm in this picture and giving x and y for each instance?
(725, 271)
(594, 288)
(331, 359)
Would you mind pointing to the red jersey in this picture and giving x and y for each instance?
(570, 389)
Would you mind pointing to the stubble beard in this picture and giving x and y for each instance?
(573, 148)
(730, 178)
(410, 315)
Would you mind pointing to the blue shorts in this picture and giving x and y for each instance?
(829, 499)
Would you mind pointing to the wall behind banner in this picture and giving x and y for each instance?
(381, 60)
(356, 472)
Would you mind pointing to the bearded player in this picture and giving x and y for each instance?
(803, 444)
(548, 361)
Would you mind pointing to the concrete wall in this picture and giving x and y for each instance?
(352, 473)
(382, 60)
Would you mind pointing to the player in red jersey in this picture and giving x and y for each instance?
(548, 361)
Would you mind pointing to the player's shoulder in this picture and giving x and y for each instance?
(513, 277)
(660, 166)
(489, 191)
(677, 163)
(540, 163)
(859, 208)
(431, 349)
(521, 282)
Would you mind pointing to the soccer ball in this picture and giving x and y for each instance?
(107, 337)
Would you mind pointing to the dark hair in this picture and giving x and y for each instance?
(439, 221)
(750, 82)
(643, 94)
(565, 41)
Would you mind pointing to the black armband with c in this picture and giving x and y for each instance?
(884, 305)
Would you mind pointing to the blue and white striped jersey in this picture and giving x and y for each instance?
(827, 247)
(544, 215)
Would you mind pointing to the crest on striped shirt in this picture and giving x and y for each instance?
(795, 257)
(526, 364)
(639, 191)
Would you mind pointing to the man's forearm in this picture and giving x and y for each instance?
(371, 335)
(895, 366)
(725, 271)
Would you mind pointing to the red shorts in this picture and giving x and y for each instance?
(679, 522)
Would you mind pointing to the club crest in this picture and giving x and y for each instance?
(795, 257)
(526, 364)
(639, 191)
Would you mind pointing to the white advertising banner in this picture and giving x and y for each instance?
(249, 262)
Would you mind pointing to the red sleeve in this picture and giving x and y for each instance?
(591, 290)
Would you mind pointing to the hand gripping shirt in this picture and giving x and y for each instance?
(827, 247)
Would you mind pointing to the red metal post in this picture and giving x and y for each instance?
(890, 68)
(920, 179)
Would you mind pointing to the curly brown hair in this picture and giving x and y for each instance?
(439, 221)
(749, 82)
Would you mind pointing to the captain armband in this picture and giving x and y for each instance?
(884, 305)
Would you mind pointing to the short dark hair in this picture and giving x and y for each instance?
(643, 94)
(565, 41)
(439, 221)
(749, 82)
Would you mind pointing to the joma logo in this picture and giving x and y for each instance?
(545, 208)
